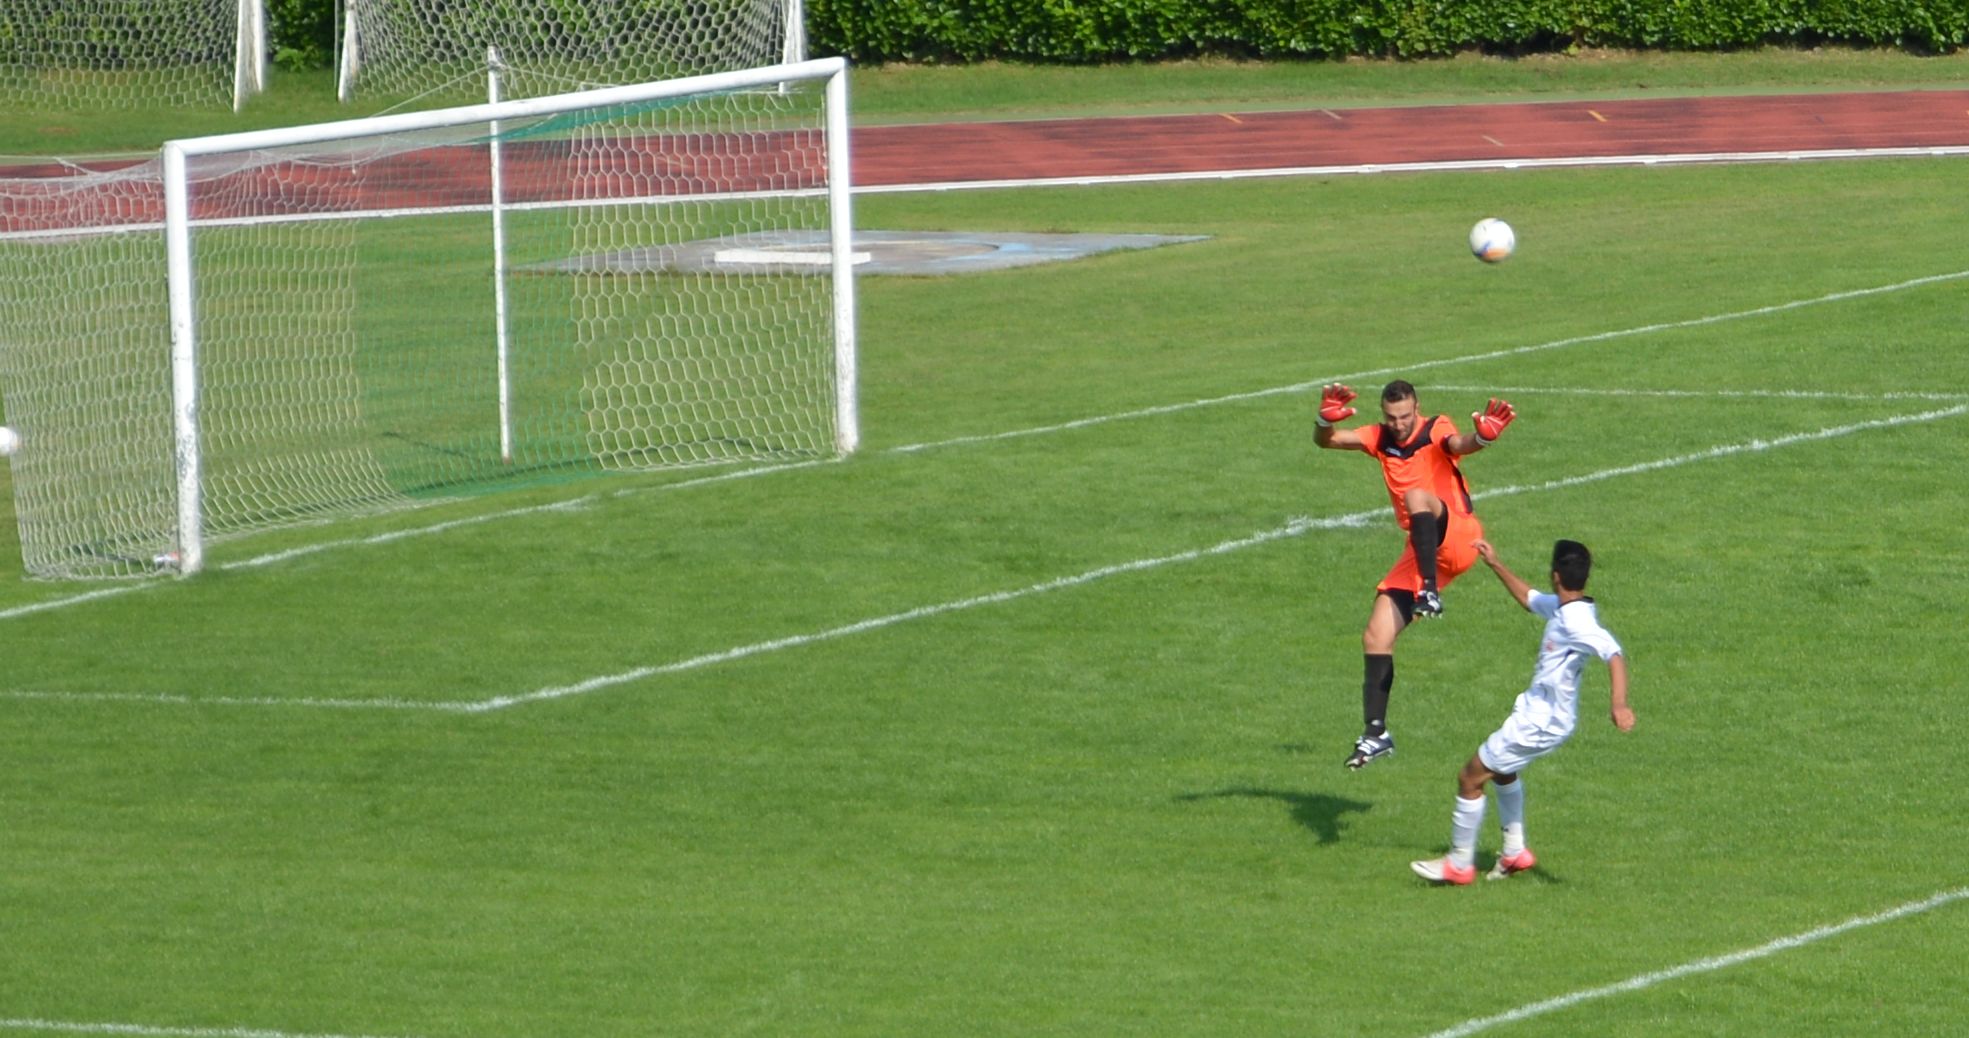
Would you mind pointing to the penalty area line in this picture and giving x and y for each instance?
(1294, 528)
(1471, 358)
(155, 1032)
(1709, 965)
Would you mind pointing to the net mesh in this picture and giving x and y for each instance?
(79, 54)
(348, 344)
(435, 50)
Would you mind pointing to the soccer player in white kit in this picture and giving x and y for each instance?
(1540, 721)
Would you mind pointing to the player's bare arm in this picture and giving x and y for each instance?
(1488, 424)
(1333, 409)
(1623, 717)
(1520, 591)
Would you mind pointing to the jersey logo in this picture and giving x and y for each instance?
(1413, 446)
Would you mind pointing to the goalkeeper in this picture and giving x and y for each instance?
(1418, 459)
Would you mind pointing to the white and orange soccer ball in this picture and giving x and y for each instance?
(1492, 240)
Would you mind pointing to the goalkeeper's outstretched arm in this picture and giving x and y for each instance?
(1333, 408)
(1489, 424)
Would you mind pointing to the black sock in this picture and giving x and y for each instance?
(1379, 679)
(1425, 534)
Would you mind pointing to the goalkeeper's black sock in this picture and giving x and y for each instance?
(1379, 679)
(1425, 534)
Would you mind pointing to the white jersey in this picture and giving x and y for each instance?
(1572, 632)
(1546, 713)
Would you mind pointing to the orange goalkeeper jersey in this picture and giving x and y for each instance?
(1419, 464)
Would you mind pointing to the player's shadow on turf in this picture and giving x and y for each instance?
(1316, 811)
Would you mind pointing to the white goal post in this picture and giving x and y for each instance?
(347, 332)
(97, 54)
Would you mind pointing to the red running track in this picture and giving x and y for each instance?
(888, 156)
(946, 153)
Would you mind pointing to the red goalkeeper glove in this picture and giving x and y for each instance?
(1333, 404)
(1490, 422)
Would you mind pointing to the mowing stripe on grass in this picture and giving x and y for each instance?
(159, 1032)
(1298, 387)
(1311, 384)
(1449, 166)
(1294, 528)
(571, 505)
(1646, 980)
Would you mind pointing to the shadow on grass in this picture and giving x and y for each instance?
(1319, 812)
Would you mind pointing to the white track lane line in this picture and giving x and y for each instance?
(1647, 980)
(1081, 423)
(1295, 528)
(1471, 358)
(154, 1032)
(1453, 166)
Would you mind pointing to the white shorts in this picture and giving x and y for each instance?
(1518, 743)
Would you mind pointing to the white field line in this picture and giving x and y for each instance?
(1646, 980)
(1469, 358)
(154, 1032)
(1773, 394)
(1297, 387)
(1455, 166)
(1294, 528)
(59, 603)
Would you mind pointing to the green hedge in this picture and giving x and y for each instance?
(1110, 30)
(1123, 30)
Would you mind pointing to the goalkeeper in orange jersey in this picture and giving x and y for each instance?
(1418, 459)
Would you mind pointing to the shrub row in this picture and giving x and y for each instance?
(1110, 30)
(1124, 30)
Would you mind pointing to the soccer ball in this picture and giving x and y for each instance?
(10, 441)
(1492, 241)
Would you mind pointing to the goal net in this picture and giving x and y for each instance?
(436, 49)
(290, 325)
(94, 54)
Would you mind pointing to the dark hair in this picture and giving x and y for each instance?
(1397, 390)
(1572, 562)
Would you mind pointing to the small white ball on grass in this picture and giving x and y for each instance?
(10, 441)
(1492, 240)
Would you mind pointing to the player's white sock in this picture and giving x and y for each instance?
(1511, 814)
(1469, 817)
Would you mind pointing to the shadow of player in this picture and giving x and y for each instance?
(1318, 812)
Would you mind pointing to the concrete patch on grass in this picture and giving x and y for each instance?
(921, 253)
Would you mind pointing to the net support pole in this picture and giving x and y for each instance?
(249, 53)
(793, 46)
(499, 312)
(351, 63)
(186, 452)
(847, 414)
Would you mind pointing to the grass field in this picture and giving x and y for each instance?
(1115, 805)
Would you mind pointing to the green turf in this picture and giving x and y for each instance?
(1115, 808)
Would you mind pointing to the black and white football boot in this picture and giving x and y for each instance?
(1369, 748)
